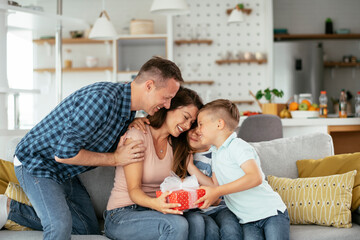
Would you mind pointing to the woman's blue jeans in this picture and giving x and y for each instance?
(272, 228)
(137, 222)
(59, 209)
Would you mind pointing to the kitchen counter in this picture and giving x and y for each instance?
(344, 131)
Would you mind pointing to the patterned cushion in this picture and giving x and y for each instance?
(15, 192)
(338, 164)
(321, 200)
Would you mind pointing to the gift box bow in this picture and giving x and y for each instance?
(185, 192)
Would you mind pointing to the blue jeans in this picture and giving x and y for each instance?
(228, 225)
(201, 226)
(272, 228)
(61, 209)
(137, 222)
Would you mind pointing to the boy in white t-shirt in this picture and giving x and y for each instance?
(237, 173)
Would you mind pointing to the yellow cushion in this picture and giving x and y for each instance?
(336, 164)
(321, 200)
(15, 192)
(7, 174)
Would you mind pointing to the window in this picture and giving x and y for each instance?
(20, 76)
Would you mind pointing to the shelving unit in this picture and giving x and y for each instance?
(83, 69)
(243, 102)
(134, 50)
(69, 41)
(285, 37)
(210, 82)
(220, 62)
(341, 64)
(198, 41)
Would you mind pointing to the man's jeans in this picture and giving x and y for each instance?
(62, 208)
(272, 228)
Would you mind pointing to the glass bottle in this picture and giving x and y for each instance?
(329, 26)
(357, 105)
(323, 104)
(342, 104)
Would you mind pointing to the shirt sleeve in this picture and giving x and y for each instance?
(135, 135)
(242, 151)
(88, 114)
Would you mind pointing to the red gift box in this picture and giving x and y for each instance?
(185, 198)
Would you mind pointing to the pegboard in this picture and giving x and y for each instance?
(208, 20)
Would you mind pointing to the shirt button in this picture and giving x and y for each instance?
(69, 175)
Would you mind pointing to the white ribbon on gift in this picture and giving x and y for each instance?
(174, 183)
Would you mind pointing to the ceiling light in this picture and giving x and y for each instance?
(170, 7)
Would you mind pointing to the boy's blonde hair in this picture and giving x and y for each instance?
(224, 109)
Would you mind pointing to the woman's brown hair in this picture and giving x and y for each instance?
(181, 148)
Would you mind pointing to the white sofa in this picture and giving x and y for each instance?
(278, 158)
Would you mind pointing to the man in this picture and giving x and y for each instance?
(82, 132)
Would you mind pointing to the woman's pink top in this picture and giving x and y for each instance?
(155, 170)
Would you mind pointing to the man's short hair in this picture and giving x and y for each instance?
(160, 70)
(224, 109)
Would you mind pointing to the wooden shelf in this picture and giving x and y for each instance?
(245, 10)
(210, 82)
(243, 102)
(199, 41)
(241, 61)
(83, 69)
(280, 37)
(341, 64)
(68, 41)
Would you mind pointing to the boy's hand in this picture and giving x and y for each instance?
(209, 198)
(161, 205)
(139, 124)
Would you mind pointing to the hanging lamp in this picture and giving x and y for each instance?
(237, 15)
(103, 29)
(170, 7)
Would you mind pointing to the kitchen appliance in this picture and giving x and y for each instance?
(299, 68)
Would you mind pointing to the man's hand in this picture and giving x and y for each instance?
(129, 153)
(210, 197)
(161, 205)
(139, 124)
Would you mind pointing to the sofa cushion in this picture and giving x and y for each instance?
(337, 164)
(319, 200)
(99, 183)
(278, 157)
(7, 174)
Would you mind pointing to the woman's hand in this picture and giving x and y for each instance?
(139, 124)
(211, 196)
(161, 205)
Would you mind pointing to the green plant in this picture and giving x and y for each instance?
(269, 94)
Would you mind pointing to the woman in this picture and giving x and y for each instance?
(130, 211)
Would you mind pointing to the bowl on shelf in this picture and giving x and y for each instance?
(76, 34)
(304, 114)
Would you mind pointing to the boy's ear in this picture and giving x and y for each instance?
(221, 124)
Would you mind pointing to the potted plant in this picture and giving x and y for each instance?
(270, 107)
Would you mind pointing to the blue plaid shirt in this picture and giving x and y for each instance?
(92, 118)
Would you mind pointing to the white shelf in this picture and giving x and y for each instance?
(24, 18)
(15, 90)
(141, 36)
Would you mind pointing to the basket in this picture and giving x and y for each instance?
(138, 26)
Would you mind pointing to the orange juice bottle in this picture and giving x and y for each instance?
(342, 104)
(323, 104)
